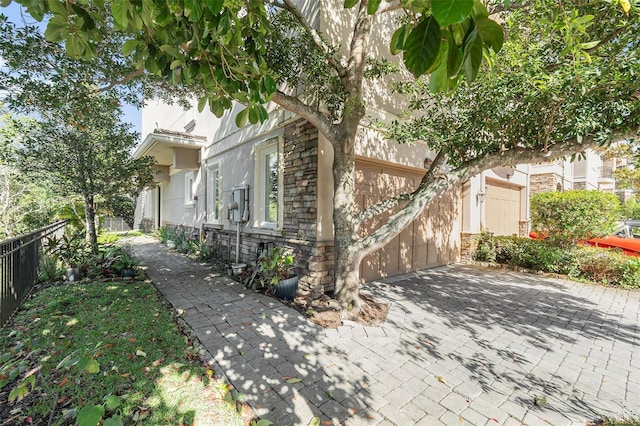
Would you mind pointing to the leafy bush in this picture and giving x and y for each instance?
(631, 209)
(606, 266)
(184, 242)
(569, 216)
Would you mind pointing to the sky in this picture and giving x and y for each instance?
(15, 14)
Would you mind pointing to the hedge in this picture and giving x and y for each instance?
(606, 266)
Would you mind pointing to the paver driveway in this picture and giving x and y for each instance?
(461, 345)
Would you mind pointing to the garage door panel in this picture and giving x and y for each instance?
(502, 209)
(418, 246)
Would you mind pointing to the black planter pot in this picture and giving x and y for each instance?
(286, 289)
(127, 272)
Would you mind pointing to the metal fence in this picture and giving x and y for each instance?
(19, 261)
(114, 224)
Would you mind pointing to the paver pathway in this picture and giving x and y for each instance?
(461, 345)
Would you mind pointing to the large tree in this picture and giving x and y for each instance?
(83, 152)
(25, 204)
(257, 51)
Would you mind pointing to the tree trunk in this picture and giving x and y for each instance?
(90, 219)
(346, 256)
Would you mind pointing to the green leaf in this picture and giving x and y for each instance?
(473, 60)
(399, 38)
(590, 44)
(264, 422)
(479, 10)
(294, 380)
(254, 114)
(269, 85)
(454, 57)
(171, 50)
(113, 421)
(202, 102)
(19, 392)
(90, 415)
(422, 46)
(120, 12)
(129, 46)
(215, 6)
(448, 12)
(372, 6)
(314, 421)
(75, 45)
(439, 79)
(193, 9)
(242, 117)
(88, 364)
(57, 8)
(112, 401)
(57, 29)
(348, 4)
(491, 33)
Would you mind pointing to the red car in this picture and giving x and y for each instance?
(626, 238)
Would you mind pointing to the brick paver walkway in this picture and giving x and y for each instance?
(461, 345)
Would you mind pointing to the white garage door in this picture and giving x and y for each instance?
(502, 208)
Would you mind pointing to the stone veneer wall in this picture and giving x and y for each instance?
(544, 183)
(523, 229)
(468, 246)
(299, 231)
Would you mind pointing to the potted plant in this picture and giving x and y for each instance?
(274, 271)
(125, 262)
(70, 251)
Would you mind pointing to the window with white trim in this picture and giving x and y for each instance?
(268, 184)
(189, 188)
(214, 194)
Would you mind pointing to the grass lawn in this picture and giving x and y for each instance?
(105, 351)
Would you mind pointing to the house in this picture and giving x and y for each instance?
(272, 184)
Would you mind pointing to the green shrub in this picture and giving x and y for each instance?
(569, 216)
(108, 238)
(163, 234)
(631, 209)
(606, 266)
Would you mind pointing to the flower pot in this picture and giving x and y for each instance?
(286, 289)
(238, 268)
(74, 274)
(127, 272)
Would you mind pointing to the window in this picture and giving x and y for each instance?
(268, 184)
(271, 187)
(214, 195)
(189, 188)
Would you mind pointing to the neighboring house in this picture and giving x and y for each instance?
(593, 171)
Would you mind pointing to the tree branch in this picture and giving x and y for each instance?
(430, 188)
(610, 37)
(390, 6)
(315, 36)
(389, 203)
(358, 51)
(312, 115)
(124, 80)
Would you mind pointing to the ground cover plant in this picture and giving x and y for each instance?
(108, 353)
(605, 266)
